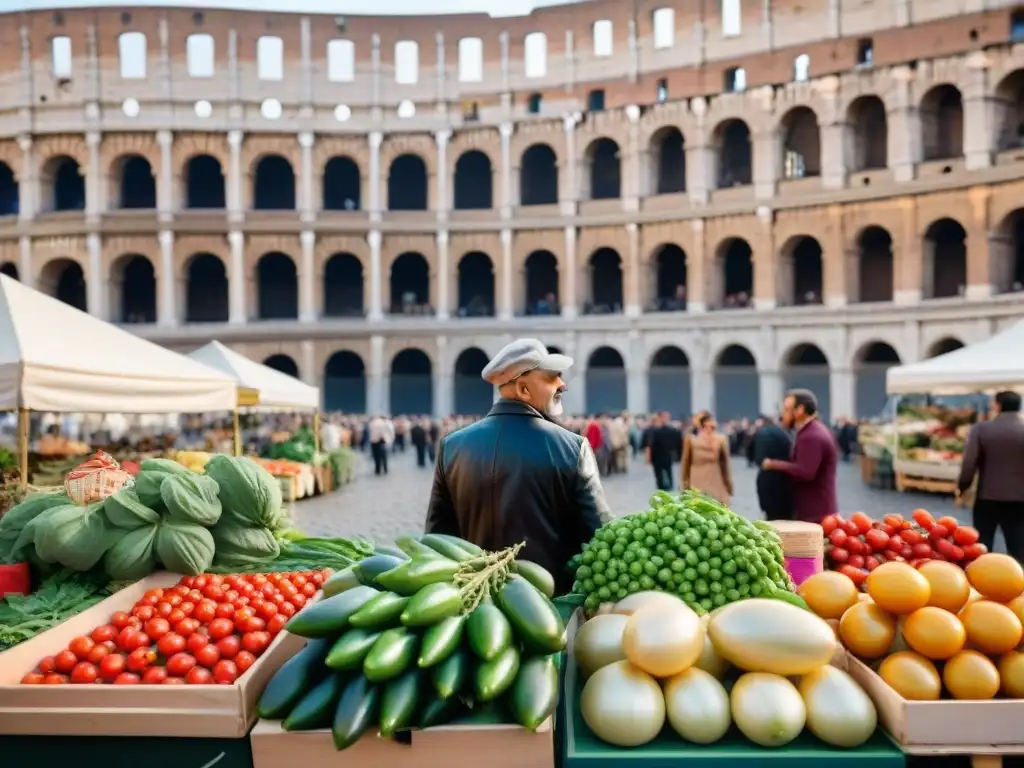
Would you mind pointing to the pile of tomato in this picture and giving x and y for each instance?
(207, 629)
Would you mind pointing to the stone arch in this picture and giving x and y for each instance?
(341, 184)
(189, 145)
(10, 195)
(132, 289)
(805, 366)
(1006, 245)
(944, 270)
(408, 186)
(541, 283)
(801, 272)
(283, 363)
(669, 382)
(277, 287)
(943, 346)
(411, 382)
(476, 295)
(538, 175)
(800, 143)
(942, 123)
(867, 134)
(667, 152)
(871, 363)
(473, 181)
(605, 280)
(273, 183)
(733, 149)
(876, 266)
(345, 383)
(206, 289)
(64, 279)
(204, 182)
(62, 184)
(668, 277)
(737, 383)
(1008, 120)
(473, 395)
(409, 284)
(606, 381)
(604, 169)
(343, 286)
(132, 180)
(734, 273)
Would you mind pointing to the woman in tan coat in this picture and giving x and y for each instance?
(705, 466)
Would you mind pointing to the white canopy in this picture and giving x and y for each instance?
(994, 364)
(276, 390)
(54, 357)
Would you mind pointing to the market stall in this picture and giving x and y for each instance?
(929, 438)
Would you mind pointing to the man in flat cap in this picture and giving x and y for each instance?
(516, 475)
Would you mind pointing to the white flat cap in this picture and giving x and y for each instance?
(523, 356)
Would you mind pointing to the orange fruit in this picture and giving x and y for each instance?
(992, 628)
(971, 675)
(898, 588)
(912, 676)
(949, 585)
(997, 577)
(934, 633)
(829, 594)
(1011, 675)
(867, 631)
(1017, 606)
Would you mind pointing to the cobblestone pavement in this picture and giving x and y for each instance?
(382, 508)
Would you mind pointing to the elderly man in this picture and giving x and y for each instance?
(516, 475)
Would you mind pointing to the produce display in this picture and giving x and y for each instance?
(205, 630)
(689, 545)
(935, 630)
(758, 664)
(933, 433)
(415, 636)
(857, 546)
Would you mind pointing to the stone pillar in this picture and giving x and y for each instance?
(567, 276)
(979, 114)
(444, 395)
(833, 155)
(26, 272)
(909, 258)
(568, 172)
(306, 201)
(165, 191)
(700, 158)
(767, 161)
(697, 271)
(28, 182)
(307, 363)
(443, 203)
(904, 148)
(507, 198)
(836, 270)
(442, 280)
(573, 401)
(636, 375)
(235, 195)
(166, 311)
(237, 279)
(506, 282)
(95, 203)
(373, 239)
(983, 278)
(632, 297)
(772, 390)
(307, 277)
(376, 137)
(378, 394)
(96, 282)
(702, 386)
(633, 165)
(765, 262)
(842, 392)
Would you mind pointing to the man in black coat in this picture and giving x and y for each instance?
(774, 491)
(517, 476)
(418, 436)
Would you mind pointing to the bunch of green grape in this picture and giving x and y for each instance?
(689, 545)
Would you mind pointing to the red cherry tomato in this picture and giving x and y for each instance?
(243, 661)
(154, 676)
(965, 535)
(64, 662)
(220, 627)
(104, 633)
(199, 676)
(180, 663)
(141, 658)
(127, 678)
(196, 642)
(84, 673)
(839, 555)
(225, 673)
(81, 647)
(170, 644)
(208, 655)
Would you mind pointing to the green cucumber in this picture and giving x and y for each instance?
(391, 655)
(315, 708)
(329, 617)
(412, 575)
(488, 631)
(534, 693)
(342, 581)
(433, 603)
(413, 548)
(381, 549)
(537, 575)
(382, 612)
(356, 711)
(351, 648)
(469, 546)
(438, 711)
(446, 548)
(449, 677)
(292, 680)
(441, 640)
(398, 702)
(369, 569)
(494, 677)
(534, 619)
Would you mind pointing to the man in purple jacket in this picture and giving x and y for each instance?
(815, 456)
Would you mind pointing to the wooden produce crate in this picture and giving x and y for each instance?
(196, 711)
(983, 730)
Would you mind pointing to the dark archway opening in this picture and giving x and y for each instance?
(807, 273)
(10, 269)
(9, 201)
(875, 267)
(874, 361)
(345, 383)
(284, 364)
(137, 290)
(541, 272)
(605, 282)
(605, 170)
(737, 265)
(944, 347)
(206, 291)
(273, 185)
(734, 154)
(410, 284)
(1012, 266)
(68, 184)
(670, 161)
(945, 257)
(138, 185)
(538, 176)
(1009, 111)
(737, 384)
(204, 183)
(476, 286)
(474, 182)
(867, 134)
(806, 367)
(342, 185)
(670, 279)
(668, 382)
(473, 395)
(343, 286)
(277, 287)
(64, 279)
(942, 123)
(407, 184)
(412, 383)
(606, 382)
(801, 144)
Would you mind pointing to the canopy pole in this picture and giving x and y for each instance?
(23, 435)
(238, 432)
(316, 430)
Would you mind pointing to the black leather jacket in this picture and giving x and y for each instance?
(516, 476)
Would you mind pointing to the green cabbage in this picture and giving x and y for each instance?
(14, 522)
(184, 547)
(125, 510)
(133, 556)
(234, 539)
(151, 476)
(249, 494)
(75, 536)
(191, 498)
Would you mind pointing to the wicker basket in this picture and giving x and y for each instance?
(800, 539)
(96, 479)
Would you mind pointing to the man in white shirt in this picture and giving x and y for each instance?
(330, 436)
(382, 435)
